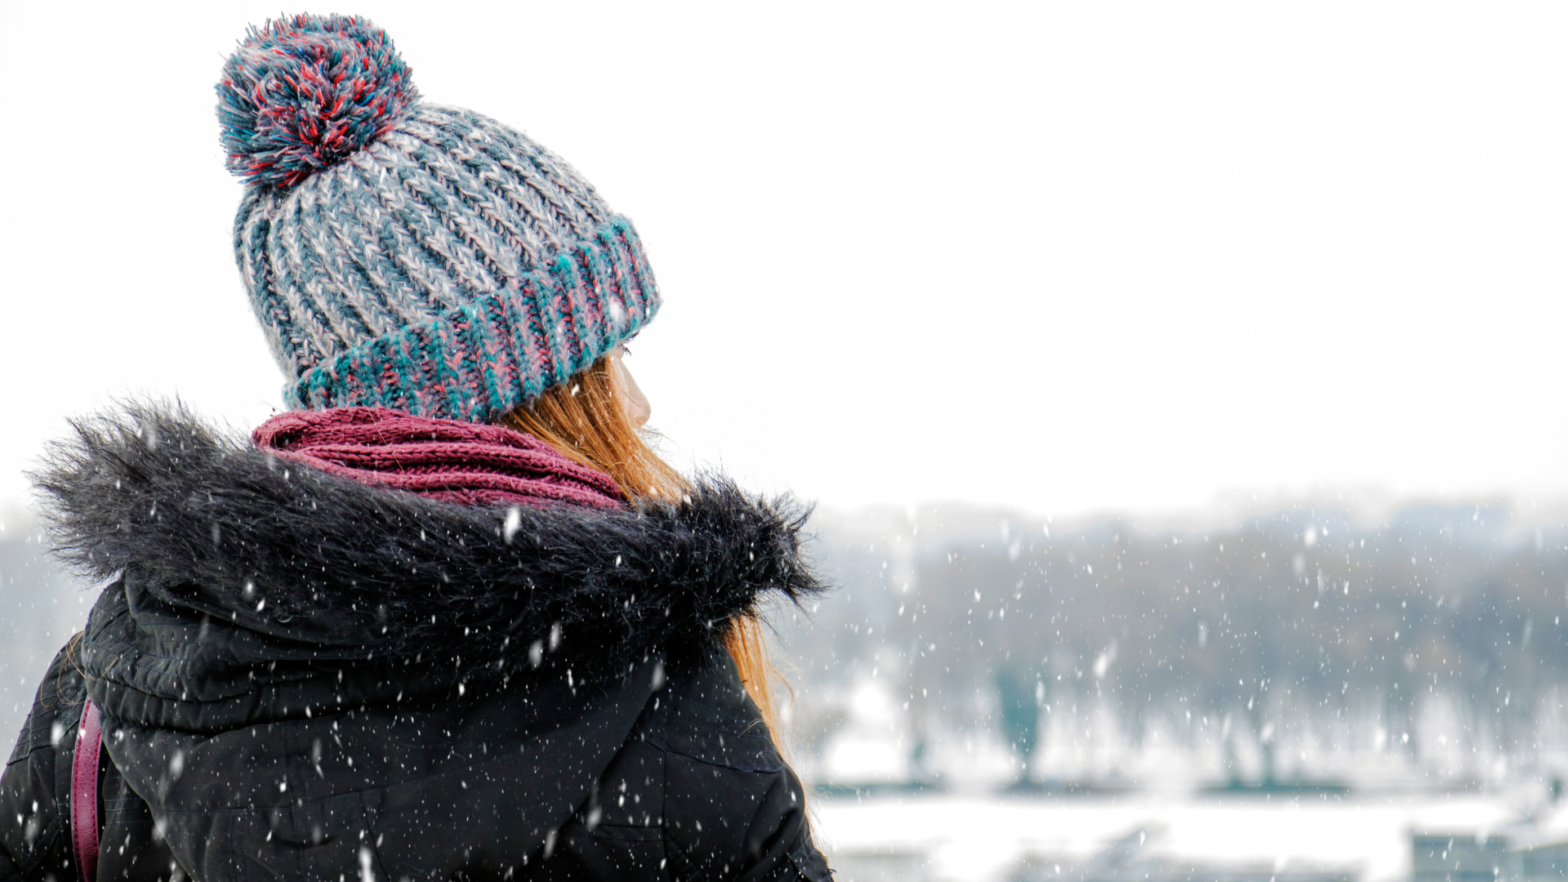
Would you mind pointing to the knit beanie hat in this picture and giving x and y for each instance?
(400, 254)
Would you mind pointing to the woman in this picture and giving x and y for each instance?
(451, 617)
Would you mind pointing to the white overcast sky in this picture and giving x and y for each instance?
(1065, 257)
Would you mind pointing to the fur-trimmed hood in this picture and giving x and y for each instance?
(223, 529)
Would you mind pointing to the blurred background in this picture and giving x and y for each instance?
(1179, 384)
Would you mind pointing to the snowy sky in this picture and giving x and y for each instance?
(1064, 257)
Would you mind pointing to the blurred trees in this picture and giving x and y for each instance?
(1275, 626)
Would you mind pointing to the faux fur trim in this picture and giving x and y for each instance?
(244, 537)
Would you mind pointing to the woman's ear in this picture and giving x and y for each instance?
(637, 408)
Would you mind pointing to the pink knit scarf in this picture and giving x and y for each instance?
(466, 463)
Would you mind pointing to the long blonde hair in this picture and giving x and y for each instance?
(586, 421)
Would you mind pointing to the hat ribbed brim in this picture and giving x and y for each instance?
(478, 360)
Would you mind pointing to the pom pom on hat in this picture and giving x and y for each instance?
(302, 93)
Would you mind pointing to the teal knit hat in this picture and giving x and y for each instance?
(422, 258)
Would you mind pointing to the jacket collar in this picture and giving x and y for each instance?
(233, 534)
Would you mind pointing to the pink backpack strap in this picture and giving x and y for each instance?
(84, 793)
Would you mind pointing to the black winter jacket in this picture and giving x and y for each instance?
(303, 677)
